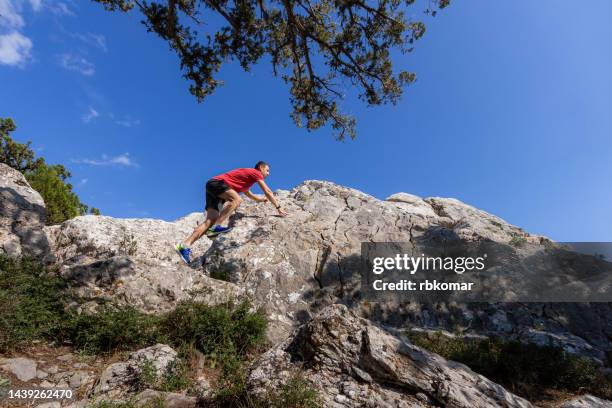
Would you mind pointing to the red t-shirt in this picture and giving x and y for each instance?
(240, 179)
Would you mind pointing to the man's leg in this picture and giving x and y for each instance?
(232, 201)
(211, 217)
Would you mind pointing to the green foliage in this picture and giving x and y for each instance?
(296, 393)
(314, 46)
(223, 332)
(60, 201)
(17, 155)
(176, 377)
(518, 241)
(147, 375)
(31, 304)
(157, 402)
(49, 180)
(114, 328)
(525, 369)
(5, 386)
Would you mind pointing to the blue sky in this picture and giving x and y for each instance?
(511, 113)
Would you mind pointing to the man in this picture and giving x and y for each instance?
(224, 190)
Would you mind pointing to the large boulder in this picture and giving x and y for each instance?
(120, 380)
(133, 261)
(296, 265)
(22, 216)
(353, 363)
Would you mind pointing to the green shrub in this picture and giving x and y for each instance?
(523, 368)
(518, 241)
(296, 393)
(157, 402)
(221, 331)
(176, 377)
(32, 304)
(147, 376)
(61, 202)
(114, 328)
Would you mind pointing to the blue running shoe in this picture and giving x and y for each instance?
(216, 230)
(184, 252)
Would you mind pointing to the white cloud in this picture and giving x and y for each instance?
(120, 160)
(128, 122)
(61, 9)
(9, 15)
(36, 4)
(77, 63)
(95, 40)
(15, 49)
(90, 115)
(82, 182)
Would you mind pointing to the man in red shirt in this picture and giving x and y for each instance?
(223, 191)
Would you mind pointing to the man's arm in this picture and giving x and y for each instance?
(254, 197)
(270, 196)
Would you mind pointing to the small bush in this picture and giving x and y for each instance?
(523, 368)
(157, 402)
(296, 393)
(147, 376)
(114, 328)
(518, 241)
(222, 332)
(32, 304)
(177, 376)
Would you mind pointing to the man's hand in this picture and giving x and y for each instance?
(261, 199)
(282, 213)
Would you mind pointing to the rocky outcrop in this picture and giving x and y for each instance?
(357, 364)
(294, 266)
(133, 261)
(586, 401)
(119, 379)
(303, 271)
(22, 216)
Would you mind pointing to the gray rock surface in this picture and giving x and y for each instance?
(22, 368)
(296, 268)
(586, 401)
(22, 216)
(296, 265)
(133, 261)
(118, 379)
(353, 363)
(170, 399)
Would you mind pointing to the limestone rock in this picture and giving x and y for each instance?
(294, 266)
(586, 401)
(413, 204)
(133, 261)
(353, 363)
(22, 368)
(22, 216)
(170, 399)
(118, 379)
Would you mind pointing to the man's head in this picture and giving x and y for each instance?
(263, 167)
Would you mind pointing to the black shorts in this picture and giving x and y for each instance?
(213, 189)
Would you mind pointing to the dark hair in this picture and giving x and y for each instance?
(260, 164)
